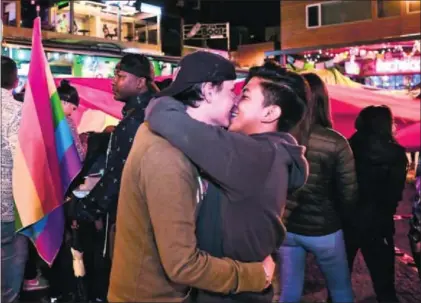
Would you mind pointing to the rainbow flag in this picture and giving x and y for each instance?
(46, 159)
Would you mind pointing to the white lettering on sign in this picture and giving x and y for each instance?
(407, 65)
(214, 31)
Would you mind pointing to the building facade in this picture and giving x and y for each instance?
(375, 42)
(84, 38)
(322, 24)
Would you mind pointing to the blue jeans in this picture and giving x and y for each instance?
(331, 257)
(14, 252)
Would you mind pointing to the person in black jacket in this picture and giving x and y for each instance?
(315, 213)
(133, 84)
(381, 166)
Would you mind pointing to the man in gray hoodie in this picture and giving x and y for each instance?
(250, 169)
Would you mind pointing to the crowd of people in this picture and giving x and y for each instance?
(208, 196)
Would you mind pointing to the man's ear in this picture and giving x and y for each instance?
(141, 82)
(271, 114)
(207, 91)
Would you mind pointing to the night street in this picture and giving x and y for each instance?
(408, 284)
(210, 151)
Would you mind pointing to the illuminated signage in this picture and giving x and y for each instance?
(352, 68)
(407, 65)
(150, 9)
(118, 3)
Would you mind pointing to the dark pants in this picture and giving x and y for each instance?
(98, 265)
(416, 253)
(14, 251)
(31, 270)
(379, 255)
(61, 276)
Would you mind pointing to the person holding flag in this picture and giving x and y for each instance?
(14, 247)
(46, 159)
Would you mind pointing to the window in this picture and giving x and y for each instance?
(8, 9)
(313, 15)
(337, 12)
(388, 8)
(413, 6)
(332, 13)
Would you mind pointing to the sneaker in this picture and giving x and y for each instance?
(35, 284)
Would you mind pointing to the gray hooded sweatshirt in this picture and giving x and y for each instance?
(253, 174)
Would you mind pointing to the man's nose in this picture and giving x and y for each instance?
(236, 99)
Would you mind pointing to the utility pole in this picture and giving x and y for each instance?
(71, 16)
(119, 23)
(228, 37)
(182, 35)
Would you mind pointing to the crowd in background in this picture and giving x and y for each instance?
(200, 203)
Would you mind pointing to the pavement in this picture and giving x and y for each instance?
(408, 284)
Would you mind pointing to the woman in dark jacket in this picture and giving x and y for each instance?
(315, 213)
(381, 166)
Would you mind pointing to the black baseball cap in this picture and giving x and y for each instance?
(137, 65)
(140, 66)
(199, 67)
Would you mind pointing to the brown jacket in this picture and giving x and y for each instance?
(155, 254)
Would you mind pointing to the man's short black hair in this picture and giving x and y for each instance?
(9, 72)
(137, 65)
(286, 89)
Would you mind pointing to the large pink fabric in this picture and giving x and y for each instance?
(346, 102)
(410, 137)
(97, 94)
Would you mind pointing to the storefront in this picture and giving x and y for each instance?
(393, 73)
(71, 64)
(396, 66)
(392, 65)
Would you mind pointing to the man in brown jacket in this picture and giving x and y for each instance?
(156, 258)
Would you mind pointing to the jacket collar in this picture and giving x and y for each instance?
(137, 102)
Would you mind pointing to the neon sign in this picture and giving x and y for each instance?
(352, 68)
(407, 65)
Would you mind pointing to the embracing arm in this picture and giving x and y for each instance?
(231, 159)
(169, 184)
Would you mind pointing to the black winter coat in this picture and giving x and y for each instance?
(381, 172)
(328, 198)
(103, 197)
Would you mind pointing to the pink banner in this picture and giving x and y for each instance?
(97, 94)
(410, 137)
(346, 102)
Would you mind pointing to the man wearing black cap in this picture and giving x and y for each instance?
(133, 84)
(156, 258)
(250, 168)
